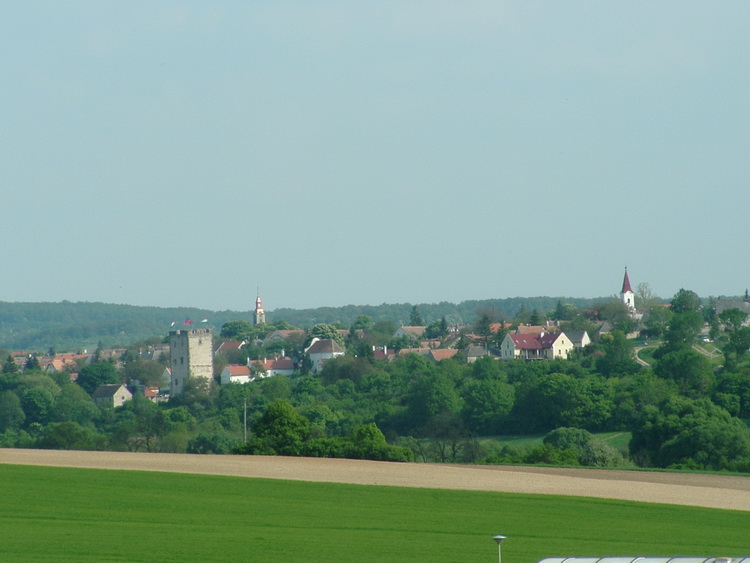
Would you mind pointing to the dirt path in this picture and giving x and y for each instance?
(638, 358)
(713, 491)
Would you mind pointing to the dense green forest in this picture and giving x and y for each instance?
(82, 325)
(685, 409)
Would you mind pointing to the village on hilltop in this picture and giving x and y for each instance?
(191, 352)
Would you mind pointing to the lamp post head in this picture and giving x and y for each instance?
(498, 538)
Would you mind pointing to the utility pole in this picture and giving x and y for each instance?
(246, 420)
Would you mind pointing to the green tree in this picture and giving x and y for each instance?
(217, 442)
(73, 404)
(535, 318)
(487, 404)
(66, 436)
(558, 399)
(150, 422)
(618, 314)
(631, 394)
(94, 375)
(483, 329)
(415, 318)
(618, 358)
(324, 331)
(237, 330)
(657, 321)
(690, 433)
(733, 387)
(431, 395)
(691, 371)
(589, 451)
(685, 301)
(12, 416)
(10, 365)
(564, 311)
(362, 322)
(32, 364)
(685, 324)
(438, 329)
(645, 297)
(281, 430)
(148, 372)
(739, 341)
(733, 318)
(37, 404)
(569, 438)
(368, 442)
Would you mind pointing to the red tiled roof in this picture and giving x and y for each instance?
(540, 341)
(231, 345)
(381, 354)
(237, 369)
(415, 330)
(277, 364)
(443, 354)
(536, 329)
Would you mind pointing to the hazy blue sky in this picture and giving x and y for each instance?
(333, 153)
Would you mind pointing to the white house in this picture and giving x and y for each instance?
(275, 366)
(114, 395)
(542, 346)
(579, 338)
(320, 351)
(235, 373)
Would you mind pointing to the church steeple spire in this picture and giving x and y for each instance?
(627, 295)
(259, 317)
(626, 282)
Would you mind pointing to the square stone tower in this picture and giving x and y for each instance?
(192, 355)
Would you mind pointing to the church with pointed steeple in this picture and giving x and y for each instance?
(627, 296)
(259, 316)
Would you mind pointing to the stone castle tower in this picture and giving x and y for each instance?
(259, 317)
(191, 352)
(627, 295)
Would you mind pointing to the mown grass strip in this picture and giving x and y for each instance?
(63, 514)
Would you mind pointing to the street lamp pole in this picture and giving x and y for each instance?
(499, 539)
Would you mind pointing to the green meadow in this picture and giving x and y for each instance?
(62, 514)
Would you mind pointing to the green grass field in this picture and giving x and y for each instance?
(61, 514)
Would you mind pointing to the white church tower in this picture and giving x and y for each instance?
(259, 317)
(627, 295)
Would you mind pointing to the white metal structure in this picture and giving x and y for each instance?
(646, 560)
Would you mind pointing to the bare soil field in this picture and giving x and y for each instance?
(712, 491)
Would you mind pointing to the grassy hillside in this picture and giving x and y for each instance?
(62, 514)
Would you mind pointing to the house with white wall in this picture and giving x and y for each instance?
(235, 373)
(541, 346)
(321, 351)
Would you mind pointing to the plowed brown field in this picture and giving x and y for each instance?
(713, 491)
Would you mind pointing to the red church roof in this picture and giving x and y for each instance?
(626, 283)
